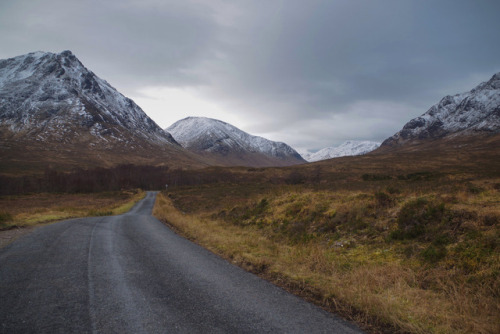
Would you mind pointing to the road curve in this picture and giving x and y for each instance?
(132, 274)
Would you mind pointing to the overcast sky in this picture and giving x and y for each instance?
(310, 73)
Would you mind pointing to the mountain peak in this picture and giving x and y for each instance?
(66, 53)
(230, 145)
(476, 111)
(49, 94)
(494, 82)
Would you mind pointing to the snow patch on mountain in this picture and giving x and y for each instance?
(471, 112)
(348, 148)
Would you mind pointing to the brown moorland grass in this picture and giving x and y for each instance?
(28, 210)
(408, 248)
(357, 268)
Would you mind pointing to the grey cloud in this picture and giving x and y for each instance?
(136, 43)
(320, 58)
(372, 50)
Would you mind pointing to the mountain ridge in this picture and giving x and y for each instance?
(230, 145)
(466, 114)
(347, 148)
(54, 111)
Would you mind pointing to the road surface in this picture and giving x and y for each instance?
(132, 274)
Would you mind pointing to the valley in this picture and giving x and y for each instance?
(403, 237)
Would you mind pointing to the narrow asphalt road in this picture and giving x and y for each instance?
(132, 274)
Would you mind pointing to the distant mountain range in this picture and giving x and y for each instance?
(54, 112)
(230, 145)
(348, 148)
(476, 112)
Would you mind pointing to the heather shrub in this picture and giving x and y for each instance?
(418, 217)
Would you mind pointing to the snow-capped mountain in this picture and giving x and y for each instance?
(56, 112)
(230, 145)
(54, 97)
(348, 148)
(476, 111)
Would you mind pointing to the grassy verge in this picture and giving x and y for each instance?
(394, 259)
(29, 210)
